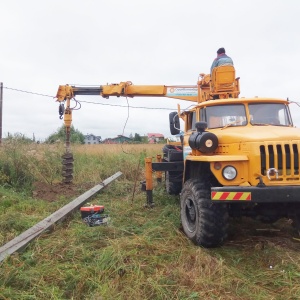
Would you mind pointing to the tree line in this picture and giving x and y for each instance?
(77, 137)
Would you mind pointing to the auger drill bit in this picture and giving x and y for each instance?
(67, 160)
(67, 167)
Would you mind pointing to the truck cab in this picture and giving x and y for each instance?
(241, 158)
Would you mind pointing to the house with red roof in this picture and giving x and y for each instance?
(155, 137)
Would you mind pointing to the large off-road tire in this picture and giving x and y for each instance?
(173, 183)
(173, 178)
(204, 222)
(296, 223)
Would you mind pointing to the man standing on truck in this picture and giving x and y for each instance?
(221, 60)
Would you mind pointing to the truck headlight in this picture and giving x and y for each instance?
(229, 172)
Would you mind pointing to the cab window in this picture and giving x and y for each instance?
(224, 115)
(191, 120)
(269, 114)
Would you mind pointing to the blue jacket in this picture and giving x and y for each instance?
(221, 60)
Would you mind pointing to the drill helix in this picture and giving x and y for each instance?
(67, 158)
(67, 167)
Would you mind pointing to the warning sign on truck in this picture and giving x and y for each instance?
(182, 91)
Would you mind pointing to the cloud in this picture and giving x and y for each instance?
(45, 44)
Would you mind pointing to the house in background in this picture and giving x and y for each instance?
(92, 139)
(155, 137)
(120, 139)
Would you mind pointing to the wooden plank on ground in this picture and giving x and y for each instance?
(27, 236)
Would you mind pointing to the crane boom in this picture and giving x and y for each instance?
(218, 86)
(127, 89)
(66, 93)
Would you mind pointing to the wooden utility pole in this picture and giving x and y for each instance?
(1, 100)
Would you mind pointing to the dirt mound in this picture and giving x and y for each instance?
(55, 191)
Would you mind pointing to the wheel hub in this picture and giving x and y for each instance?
(190, 212)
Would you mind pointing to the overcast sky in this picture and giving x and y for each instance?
(45, 44)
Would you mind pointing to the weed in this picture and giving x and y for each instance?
(141, 253)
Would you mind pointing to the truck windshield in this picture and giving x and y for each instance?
(224, 115)
(269, 114)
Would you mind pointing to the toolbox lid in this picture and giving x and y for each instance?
(92, 208)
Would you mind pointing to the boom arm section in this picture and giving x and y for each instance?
(127, 89)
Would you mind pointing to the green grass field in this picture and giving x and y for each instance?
(142, 253)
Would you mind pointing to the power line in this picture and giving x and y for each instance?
(90, 102)
(27, 92)
(125, 106)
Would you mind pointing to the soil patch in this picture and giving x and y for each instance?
(249, 233)
(54, 192)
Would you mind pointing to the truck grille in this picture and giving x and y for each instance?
(283, 157)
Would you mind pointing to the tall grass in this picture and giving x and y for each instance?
(21, 164)
(141, 253)
(104, 160)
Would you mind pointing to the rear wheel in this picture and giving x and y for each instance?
(204, 222)
(173, 179)
(173, 183)
(296, 223)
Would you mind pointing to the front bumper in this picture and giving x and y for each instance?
(286, 194)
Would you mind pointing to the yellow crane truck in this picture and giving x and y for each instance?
(238, 156)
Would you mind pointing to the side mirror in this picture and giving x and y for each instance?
(174, 123)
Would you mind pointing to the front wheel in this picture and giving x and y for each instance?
(204, 222)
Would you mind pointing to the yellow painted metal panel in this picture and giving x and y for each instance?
(214, 158)
(146, 90)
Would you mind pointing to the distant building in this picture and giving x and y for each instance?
(92, 139)
(120, 139)
(175, 140)
(155, 137)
